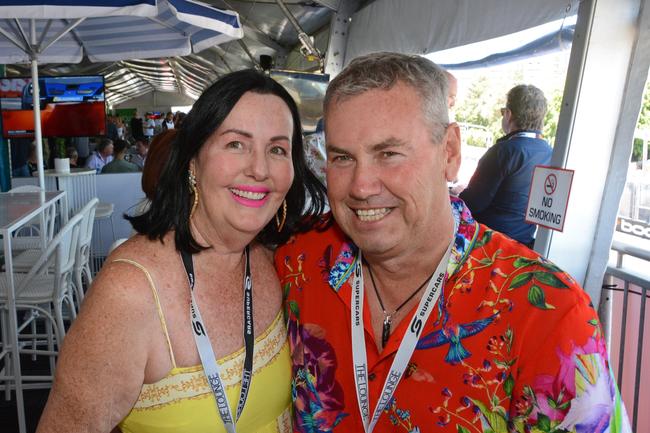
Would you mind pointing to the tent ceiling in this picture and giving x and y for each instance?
(267, 30)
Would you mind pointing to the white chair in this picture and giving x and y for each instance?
(82, 255)
(26, 188)
(26, 260)
(48, 284)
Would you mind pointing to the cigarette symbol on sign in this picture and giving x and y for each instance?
(550, 184)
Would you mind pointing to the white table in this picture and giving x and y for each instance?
(16, 209)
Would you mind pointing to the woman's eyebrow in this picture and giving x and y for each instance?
(238, 131)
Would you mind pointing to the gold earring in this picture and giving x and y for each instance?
(191, 178)
(279, 223)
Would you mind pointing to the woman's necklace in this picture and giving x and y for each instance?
(388, 317)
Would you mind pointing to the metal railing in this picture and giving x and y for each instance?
(615, 315)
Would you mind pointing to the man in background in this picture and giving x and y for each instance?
(148, 126)
(497, 193)
(20, 148)
(118, 164)
(136, 126)
(140, 156)
(111, 128)
(102, 155)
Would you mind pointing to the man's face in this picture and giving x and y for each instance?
(506, 114)
(141, 148)
(386, 178)
(108, 151)
(169, 117)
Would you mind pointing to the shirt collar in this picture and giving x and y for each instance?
(465, 237)
(538, 134)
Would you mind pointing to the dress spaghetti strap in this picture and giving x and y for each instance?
(158, 306)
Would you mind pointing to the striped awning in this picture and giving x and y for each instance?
(66, 31)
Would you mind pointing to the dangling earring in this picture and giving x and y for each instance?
(191, 178)
(279, 223)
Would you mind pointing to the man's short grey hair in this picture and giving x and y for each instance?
(103, 144)
(528, 107)
(385, 70)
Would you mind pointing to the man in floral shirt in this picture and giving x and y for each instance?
(405, 314)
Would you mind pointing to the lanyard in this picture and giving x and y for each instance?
(526, 134)
(208, 360)
(406, 347)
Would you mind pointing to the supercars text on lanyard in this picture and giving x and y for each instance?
(208, 360)
(406, 347)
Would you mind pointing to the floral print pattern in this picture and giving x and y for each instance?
(317, 395)
(513, 345)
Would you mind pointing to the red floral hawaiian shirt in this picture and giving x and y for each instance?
(513, 344)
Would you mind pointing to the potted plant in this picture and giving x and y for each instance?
(61, 160)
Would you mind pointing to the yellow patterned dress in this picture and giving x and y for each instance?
(183, 402)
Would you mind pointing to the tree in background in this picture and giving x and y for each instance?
(552, 116)
(642, 126)
(486, 94)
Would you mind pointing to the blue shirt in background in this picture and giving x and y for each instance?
(497, 194)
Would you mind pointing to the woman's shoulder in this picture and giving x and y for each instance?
(138, 264)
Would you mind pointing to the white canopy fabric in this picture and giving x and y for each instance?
(66, 31)
(106, 31)
(426, 26)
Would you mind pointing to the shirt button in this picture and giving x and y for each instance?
(371, 376)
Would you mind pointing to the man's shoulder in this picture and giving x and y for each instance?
(109, 168)
(92, 160)
(129, 166)
(518, 144)
(524, 274)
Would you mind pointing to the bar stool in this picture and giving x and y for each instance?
(104, 212)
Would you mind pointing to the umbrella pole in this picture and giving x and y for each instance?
(36, 102)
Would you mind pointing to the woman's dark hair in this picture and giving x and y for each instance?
(172, 201)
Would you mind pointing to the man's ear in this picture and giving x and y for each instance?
(452, 151)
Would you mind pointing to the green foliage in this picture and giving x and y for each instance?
(477, 107)
(552, 116)
(644, 115)
(637, 149)
(485, 96)
(474, 140)
(60, 147)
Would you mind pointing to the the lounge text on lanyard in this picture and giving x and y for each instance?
(208, 360)
(406, 347)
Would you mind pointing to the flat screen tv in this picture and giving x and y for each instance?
(71, 106)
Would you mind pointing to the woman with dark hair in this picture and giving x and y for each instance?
(158, 343)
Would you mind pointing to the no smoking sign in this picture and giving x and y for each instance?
(549, 197)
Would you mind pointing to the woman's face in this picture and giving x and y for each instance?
(244, 169)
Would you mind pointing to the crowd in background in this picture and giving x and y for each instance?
(123, 149)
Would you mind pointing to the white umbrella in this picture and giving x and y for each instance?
(106, 31)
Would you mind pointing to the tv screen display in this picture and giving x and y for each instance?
(71, 106)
